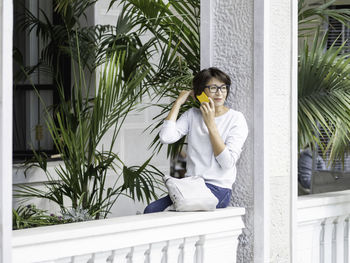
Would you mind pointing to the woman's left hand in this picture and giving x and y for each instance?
(208, 112)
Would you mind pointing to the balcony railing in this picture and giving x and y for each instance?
(161, 237)
(323, 228)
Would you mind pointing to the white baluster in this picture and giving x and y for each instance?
(82, 259)
(60, 260)
(119, 256)
(321, 244)
(220, 247)
(346, 240)
(148, 254)
(334, 241)
(327, 240)
(101, 257)
(199, 250)
(190, 249)
(316, 241)
(174, 253)
(309, 234)
(138, 253)
(340, 232)
(156, 253)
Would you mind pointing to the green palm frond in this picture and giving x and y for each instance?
(324, 97)
(141, 182)
(175, 28)
(312, 17)
(78, 127)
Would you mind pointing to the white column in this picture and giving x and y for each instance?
(6, 20)
(256, 43)
(275, 130)
(261, 184)
(206, 39)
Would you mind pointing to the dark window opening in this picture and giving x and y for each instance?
(338, 32)
(29, 128)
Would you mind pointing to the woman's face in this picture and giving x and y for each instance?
(217, 95)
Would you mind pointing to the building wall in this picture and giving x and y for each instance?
(238, 42)
(233, 53)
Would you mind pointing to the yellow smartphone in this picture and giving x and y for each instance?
(203, 97)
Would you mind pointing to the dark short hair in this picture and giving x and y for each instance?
(202, 78)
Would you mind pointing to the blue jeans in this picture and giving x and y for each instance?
(223, 194)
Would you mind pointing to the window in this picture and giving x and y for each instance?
(337, 31)
(29, 129)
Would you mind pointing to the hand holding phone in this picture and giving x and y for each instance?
(203, 97)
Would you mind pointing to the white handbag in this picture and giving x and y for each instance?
(190, 194)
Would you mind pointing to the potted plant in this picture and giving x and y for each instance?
(80, 121)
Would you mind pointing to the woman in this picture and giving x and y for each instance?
(216, 135)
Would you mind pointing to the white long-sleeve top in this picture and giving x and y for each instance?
(219, 170)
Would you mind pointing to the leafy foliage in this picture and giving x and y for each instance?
(78, 128)
(30, 216)
(324, 95)
(175, 27)
(94, 42)
(323, 83)
(79, 124)
(310, 18)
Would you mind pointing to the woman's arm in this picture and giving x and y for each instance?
(172, 116)
(233, 143)
(216, 140)
(173, 129)
(208, 114)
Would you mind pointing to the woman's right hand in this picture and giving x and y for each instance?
(183, 96)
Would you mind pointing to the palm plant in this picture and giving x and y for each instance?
(81, 120)
(324, 97)
(323, 83)
(77, 128)
(175, 27)
(94, 42)
(311, 17)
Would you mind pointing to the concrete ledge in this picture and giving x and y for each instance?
(319, 206)
(52, 242)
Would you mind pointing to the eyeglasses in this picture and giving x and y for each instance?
(214, 88)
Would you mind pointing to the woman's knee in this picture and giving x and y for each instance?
(152, 208)
(158, 205)
(148, 209)
(225, 201)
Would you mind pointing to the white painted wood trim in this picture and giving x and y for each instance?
(319, 206)
(206, 39)
(63, 241)
(261, 180)
(6, 25)
(294, 130)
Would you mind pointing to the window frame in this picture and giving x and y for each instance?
(64, 67)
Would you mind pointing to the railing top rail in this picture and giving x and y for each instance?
(329, 198)
(108, 238)
(324, 205)
(129, 224)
